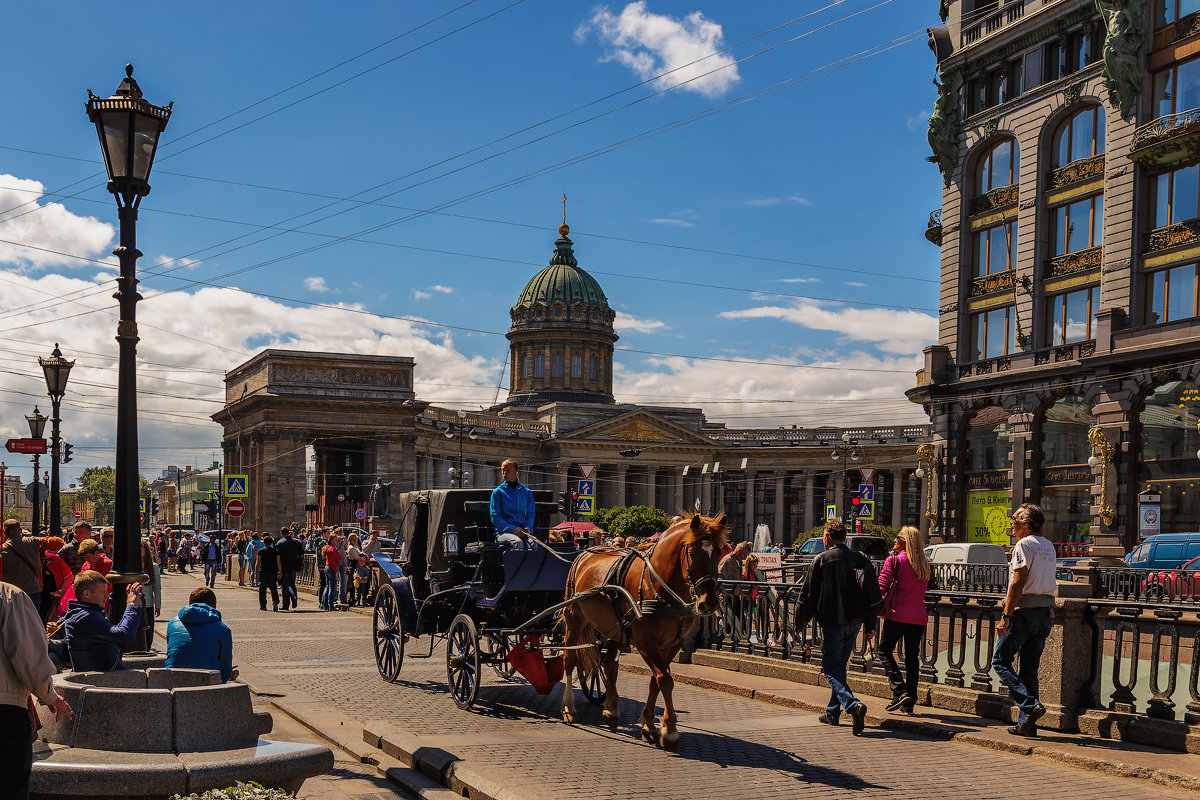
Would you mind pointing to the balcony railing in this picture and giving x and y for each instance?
(1170, 236)
(1168, 140)
(993, 22)
(818, 436)
(1066, 352)
(933, 229)
(485, 422)
(1081, 171)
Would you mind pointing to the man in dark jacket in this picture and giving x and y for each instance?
(94, 644)
(291, 561)
(842, 593)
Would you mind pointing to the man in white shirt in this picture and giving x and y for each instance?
(1028, 616)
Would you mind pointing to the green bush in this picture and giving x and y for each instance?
(639, 521)
(868, 529)
(243, 791)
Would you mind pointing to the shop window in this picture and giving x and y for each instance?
(997, 167)
(556, 366)
(1168, 462)
(995, 249)
(1066, 477)
(1168, 11)
(1177, 88)
(1174, 196)
(986, 476)
(992, 333)
(1081, 136)
(539, 366)
(576, 366)
(1171, 295)
(1069, 316)
(1077, 226)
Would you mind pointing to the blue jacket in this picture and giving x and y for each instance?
(94, 644)
(197, 639)
(512, 507)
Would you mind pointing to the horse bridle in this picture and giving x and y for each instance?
(693, 585)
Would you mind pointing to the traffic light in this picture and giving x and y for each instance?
(154, 507)
(66, 457)
(564, 503)
(855, 500)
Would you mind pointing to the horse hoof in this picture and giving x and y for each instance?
(610, 719)
(650, 734)
(670, 742)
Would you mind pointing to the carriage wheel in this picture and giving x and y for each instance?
(497, 647)
(462, 661)
(389, 639)
(595, 686)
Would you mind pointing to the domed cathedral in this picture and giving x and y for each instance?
(561, 339)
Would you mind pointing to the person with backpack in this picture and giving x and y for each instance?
(842, 593)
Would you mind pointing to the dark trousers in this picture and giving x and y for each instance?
(16, 752)
(287, 586)
(1026, 636)
(268, 580)
(912, 634)
(144, 640)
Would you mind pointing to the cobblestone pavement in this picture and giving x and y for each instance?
(729, 747)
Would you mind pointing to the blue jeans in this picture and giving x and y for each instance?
(287, 587)
(1026, 636)
(837, 643)
(210, 572)
(330, 595)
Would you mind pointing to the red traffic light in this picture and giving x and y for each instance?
(855, 501)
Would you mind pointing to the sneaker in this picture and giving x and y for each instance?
(898, 702)
(860, 718)
(827, 719)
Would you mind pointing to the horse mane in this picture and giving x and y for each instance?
(712, 530)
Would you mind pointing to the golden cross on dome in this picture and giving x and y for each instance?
(563, 230)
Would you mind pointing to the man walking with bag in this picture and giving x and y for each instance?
(1028, 616)
(842, 593)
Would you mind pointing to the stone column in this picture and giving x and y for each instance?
(777, 533)
(706, 497)
(748, 485)
(620, 498)
(898, 499)
(676, 492)
(810, 518)
(1116, 483)
(839, 493)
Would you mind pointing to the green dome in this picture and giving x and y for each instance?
(563, 281)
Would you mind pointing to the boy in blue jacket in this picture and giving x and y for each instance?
(94, 644)
(197, 639)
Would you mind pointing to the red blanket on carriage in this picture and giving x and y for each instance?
(541, 672)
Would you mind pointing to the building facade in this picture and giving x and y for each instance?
(318, 433)
(1067, 133)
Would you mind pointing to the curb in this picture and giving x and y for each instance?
(945, 732)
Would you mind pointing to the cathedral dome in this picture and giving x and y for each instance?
(563, 281)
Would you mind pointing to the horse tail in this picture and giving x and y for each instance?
(580, 631)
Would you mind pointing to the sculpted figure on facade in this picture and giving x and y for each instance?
(1123, 39)
(943, 124)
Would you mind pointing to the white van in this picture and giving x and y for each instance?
(968, 566)
(966, 553)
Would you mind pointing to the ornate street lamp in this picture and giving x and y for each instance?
(56, 369)
(37, 427)
(838, 454)
(128, 128)
(458, 478)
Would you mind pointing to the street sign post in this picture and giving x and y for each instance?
(37, 492)
(78, 515)
(235, 508)
(867, 473)
(588, 470)
(866, 510)
(585, 505)
(866, 492)
(830, 512)
(237, 486)
(360, 513)
(587, 488)
(29, 446)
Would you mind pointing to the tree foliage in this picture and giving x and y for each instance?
(639, 521)
(868, 529)
(100, 488)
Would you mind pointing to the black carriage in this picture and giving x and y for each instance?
(449, 578)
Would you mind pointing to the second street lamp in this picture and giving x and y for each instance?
(56, 369)
(37, 427)
(128, 128)
(840, 451)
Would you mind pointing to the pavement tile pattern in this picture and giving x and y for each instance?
(730, 746)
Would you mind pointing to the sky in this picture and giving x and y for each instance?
(747, 182)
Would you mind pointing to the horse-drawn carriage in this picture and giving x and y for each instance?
(528, 608)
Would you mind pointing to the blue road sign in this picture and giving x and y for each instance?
(866, 510)
(360, 513)
(141, 505)
(584, 505)
(830, 512)
(587, 488)
(235, 486)
(866, 492)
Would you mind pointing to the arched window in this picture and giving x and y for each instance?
(1081, 136)
(1066, 478)
(997, 167)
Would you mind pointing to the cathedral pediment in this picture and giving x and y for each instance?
(638, 427)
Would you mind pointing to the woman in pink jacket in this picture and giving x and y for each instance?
(902, 582)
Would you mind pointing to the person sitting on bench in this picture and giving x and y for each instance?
(512, 508)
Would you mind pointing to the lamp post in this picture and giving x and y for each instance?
(37, 427)
(845, 453)
(128, 128)
(458, 478)
(56, 369)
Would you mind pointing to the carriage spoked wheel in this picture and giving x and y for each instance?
(496, 647)
(388, 638)
(595, 686)
(462, 661)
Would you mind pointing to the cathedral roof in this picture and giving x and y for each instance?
(563, 280)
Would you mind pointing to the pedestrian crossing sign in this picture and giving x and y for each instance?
(141, 505)
(235, 486)
(866, 510)
(830, 512)
(584, 505)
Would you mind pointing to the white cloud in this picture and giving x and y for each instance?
(419, 295)
(437, 287)
(856, 284)
(315, 283)
(177, 263)
(798, 280)
(49, 226)
(892, 331)
(775, 201)
(680, 219)
(918, 121)
(627, 323)
(650, 44)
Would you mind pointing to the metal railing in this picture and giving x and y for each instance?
(994, 21)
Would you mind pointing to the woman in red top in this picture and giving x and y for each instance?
(903, 582)
(333, 560)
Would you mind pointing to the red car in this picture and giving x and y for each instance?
(1183, 582)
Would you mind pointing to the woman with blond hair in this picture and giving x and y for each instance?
(903, 582)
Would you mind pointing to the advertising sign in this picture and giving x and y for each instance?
(771, 565)
(1149, 513)
(987, 517)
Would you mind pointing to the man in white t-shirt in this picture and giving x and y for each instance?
(1028, 616)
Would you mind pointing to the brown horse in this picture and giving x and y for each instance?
(681, 578)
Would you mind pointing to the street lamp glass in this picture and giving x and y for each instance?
(920, 473)
(37, 423)
(56, 369)
(835, 455)
(128, 128)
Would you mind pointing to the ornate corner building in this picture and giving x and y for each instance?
(1067, 133)
(315, 431)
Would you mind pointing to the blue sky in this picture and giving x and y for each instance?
(816, 193)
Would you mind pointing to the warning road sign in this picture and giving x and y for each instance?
(866, 510)
(588, 470)
(584, 505)
(235, 486)
(830, 512)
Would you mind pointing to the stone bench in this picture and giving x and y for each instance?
(157, 732)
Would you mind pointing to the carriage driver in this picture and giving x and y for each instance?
(512, 508)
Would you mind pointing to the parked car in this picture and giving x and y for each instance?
(875, 548)
(1165, 551)
(968, 566)
(1183, 582)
